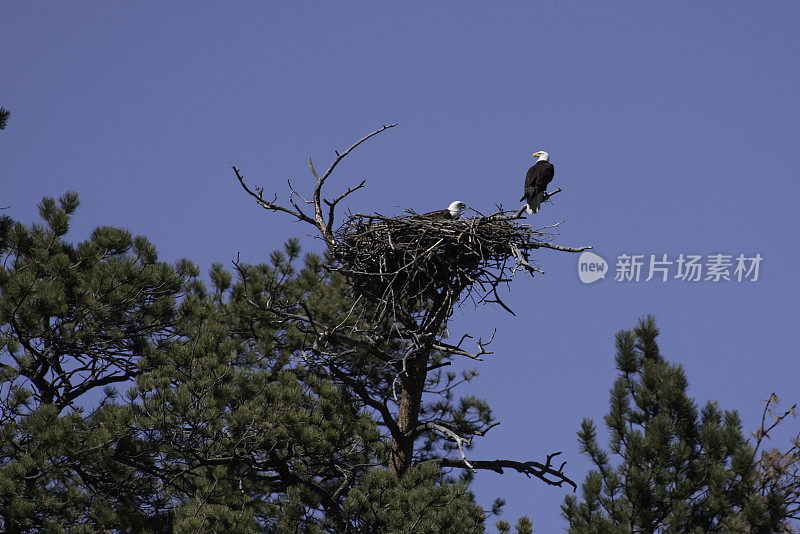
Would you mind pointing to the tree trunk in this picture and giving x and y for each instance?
(412, 384)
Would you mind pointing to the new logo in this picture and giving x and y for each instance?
(591, 267)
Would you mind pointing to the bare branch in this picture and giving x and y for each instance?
(457, 350)
(323, 226)
(340, 157)
(332, 204)
(545, 198)
(545, 472)
(778, 470)
(459, 440)
(271, 205)
(313, 170)
(523, 261)
(562, 248)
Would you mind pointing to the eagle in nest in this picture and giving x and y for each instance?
(536, 181)
(453, 211)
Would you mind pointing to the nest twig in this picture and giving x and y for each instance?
(416, 258)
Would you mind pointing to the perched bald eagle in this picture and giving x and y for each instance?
(452, 212)
(536, 181)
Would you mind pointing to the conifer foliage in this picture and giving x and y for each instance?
(75, 320)
(220, 427)
(678, 468)
(137, 397)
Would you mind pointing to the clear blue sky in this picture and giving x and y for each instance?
(673, 127)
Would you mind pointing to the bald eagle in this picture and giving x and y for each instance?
(536, 181)
(453, 211)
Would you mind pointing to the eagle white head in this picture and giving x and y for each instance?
(455, 209)
(542, 155)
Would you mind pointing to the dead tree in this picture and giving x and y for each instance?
(406, 274)
(778, 469)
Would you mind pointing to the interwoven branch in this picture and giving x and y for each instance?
(410, 260)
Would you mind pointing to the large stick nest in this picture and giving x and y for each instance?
(389, 259)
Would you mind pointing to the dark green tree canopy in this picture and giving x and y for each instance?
(75, 318)
(670, 467)
(223, 424)
(75, 321)
(136, 397)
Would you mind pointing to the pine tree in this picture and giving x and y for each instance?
(778, 469)
(268, 439)
(4, 115)
(390, 349)
(74, 322)
(223, 424)
(679, 469)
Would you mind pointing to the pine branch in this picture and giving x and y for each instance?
(4, 115)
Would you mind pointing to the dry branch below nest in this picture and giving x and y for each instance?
(416, 257)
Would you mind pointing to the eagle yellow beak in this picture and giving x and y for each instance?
(536, 154)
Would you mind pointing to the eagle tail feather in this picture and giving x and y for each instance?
(535, 203)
